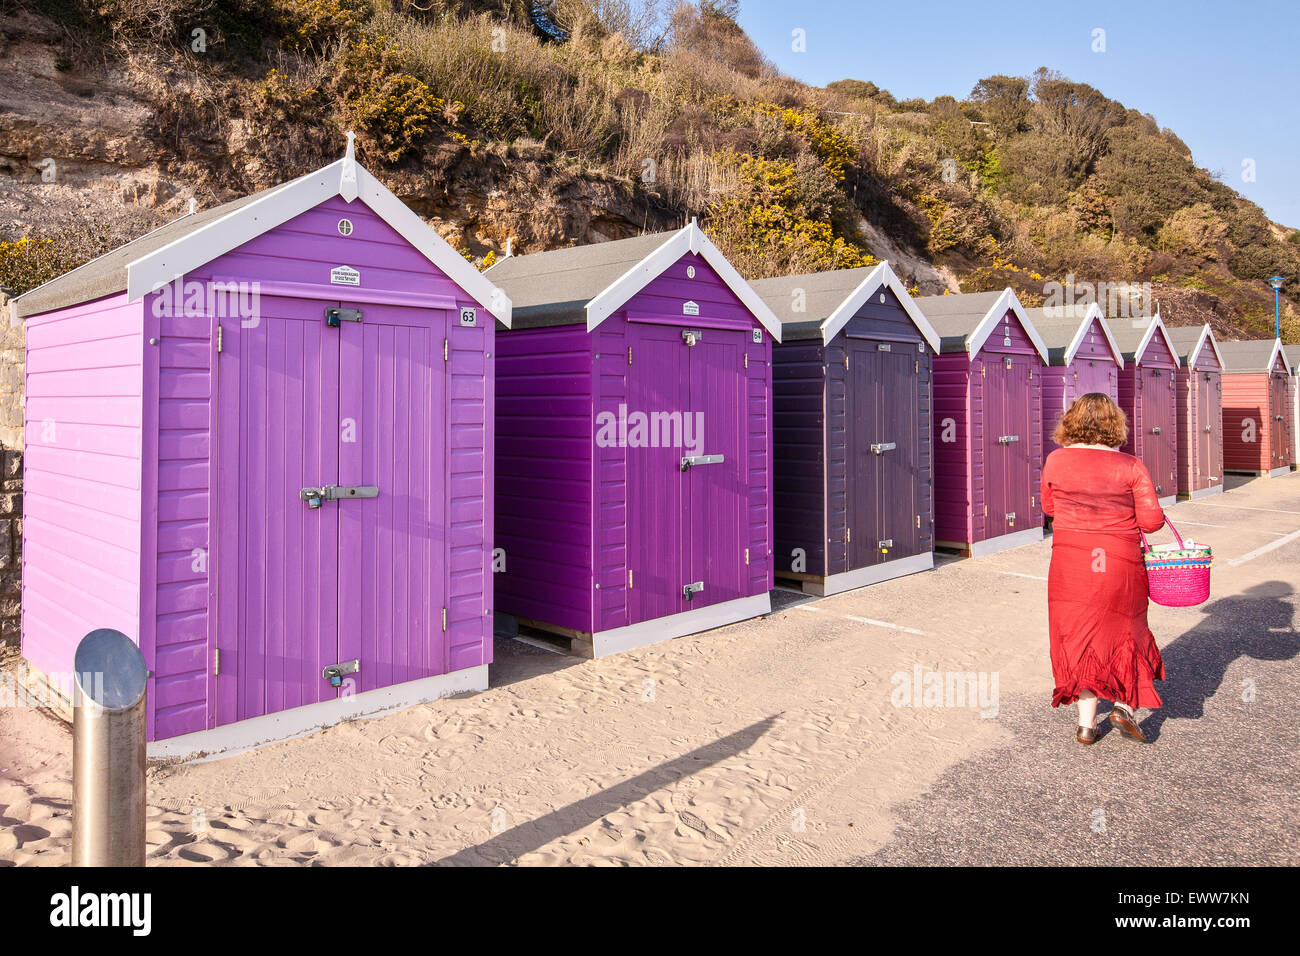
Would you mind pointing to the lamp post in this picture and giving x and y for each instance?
(1276, 283)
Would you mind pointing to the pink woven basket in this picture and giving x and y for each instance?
(1177, 577)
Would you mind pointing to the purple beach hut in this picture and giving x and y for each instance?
(259, 443)
(853, 456)
(634, 442)
(988, 422)
(1082, 357)
(1148, 395)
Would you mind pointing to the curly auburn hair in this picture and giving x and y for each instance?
(1092, 419)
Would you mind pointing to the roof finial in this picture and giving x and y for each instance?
(509, 246)
(194, 205)
(348, 177)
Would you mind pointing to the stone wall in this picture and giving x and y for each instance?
(13, 340)
(11, 537)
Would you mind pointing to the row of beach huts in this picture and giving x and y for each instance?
(303, 452)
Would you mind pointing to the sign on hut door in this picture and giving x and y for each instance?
(332, 478)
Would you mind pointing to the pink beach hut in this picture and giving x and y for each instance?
(259, 443)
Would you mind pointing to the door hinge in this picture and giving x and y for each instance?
(216, 662)
(848, 534)
(986, 511)
(629, 355)
(1033, 502)
(747, 555)
(846, 359)
(218, 337)
(746, 360)
(629, 579)
(445, 349)
(916, 366)
(984, 371)
(918, 521)
(444, 619)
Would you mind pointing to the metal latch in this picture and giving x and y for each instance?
(336, 672)
(688, 590)
(1011, 517)
(690, 460)
(1008, 439)
(879, 448)
(315, 496)
(333, 317)
(691, 336)
(885, 543)
(1155, 430)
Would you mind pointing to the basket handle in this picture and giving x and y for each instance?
(1146, 545)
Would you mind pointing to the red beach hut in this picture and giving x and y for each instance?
(1256, 410)
(988, 422)
(1199, 411)
(257, 444)
(851, 388)
(634, 441)
(1148, 396)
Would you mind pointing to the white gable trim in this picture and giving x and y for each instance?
(1273, 357)
(200, 247)
(1156, 323)
(1093, 312)
(1007, 301)
(882, 276)
(689, 239)
(1207, 335)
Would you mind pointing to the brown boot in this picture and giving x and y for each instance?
(1085, 735)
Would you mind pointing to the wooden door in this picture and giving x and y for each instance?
(898, 499)
(863, 430)
(716, 492)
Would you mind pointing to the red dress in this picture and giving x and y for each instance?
(1097, 586)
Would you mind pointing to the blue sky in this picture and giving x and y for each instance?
(1225, 77)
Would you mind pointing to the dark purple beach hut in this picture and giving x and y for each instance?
(1148, 395)
(1082, 357)
(988, 422)
(258, 444)
(853, 465)
(634, 442)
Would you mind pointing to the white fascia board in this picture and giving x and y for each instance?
(202, 246)
(151, 272)
(1273, 356)
(882, 276)
(431, 245)
(1007, 301)
(1094, 313)
(1208, 336)
(688, 239)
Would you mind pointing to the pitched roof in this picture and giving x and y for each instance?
(106, 275)
(831, 299)
(1188, 341)
(1064, 327)
(1252, 355)
(1134, 336)
(179, 247)
(1293, 357)
(965, 321)
(589, 283)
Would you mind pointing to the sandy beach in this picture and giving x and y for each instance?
(774, 741)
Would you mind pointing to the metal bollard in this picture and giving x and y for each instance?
(108, 751)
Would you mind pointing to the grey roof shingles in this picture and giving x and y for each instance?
(1057, 330)
(1249, 356)
(955, 317)
(553, 288)
(106, 275)
(823, 293)
(1184, 338)
(1128, 334)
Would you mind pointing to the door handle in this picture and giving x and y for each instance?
(690, 590)
(690, 460)
(316, 496)
(1155, 430)
(879, 448)
(1007, 439)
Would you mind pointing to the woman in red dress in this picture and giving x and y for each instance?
(1098, 498)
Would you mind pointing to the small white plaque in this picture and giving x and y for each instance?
(344, 275)
(468, 317)
(758, 335)
(690, 308)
